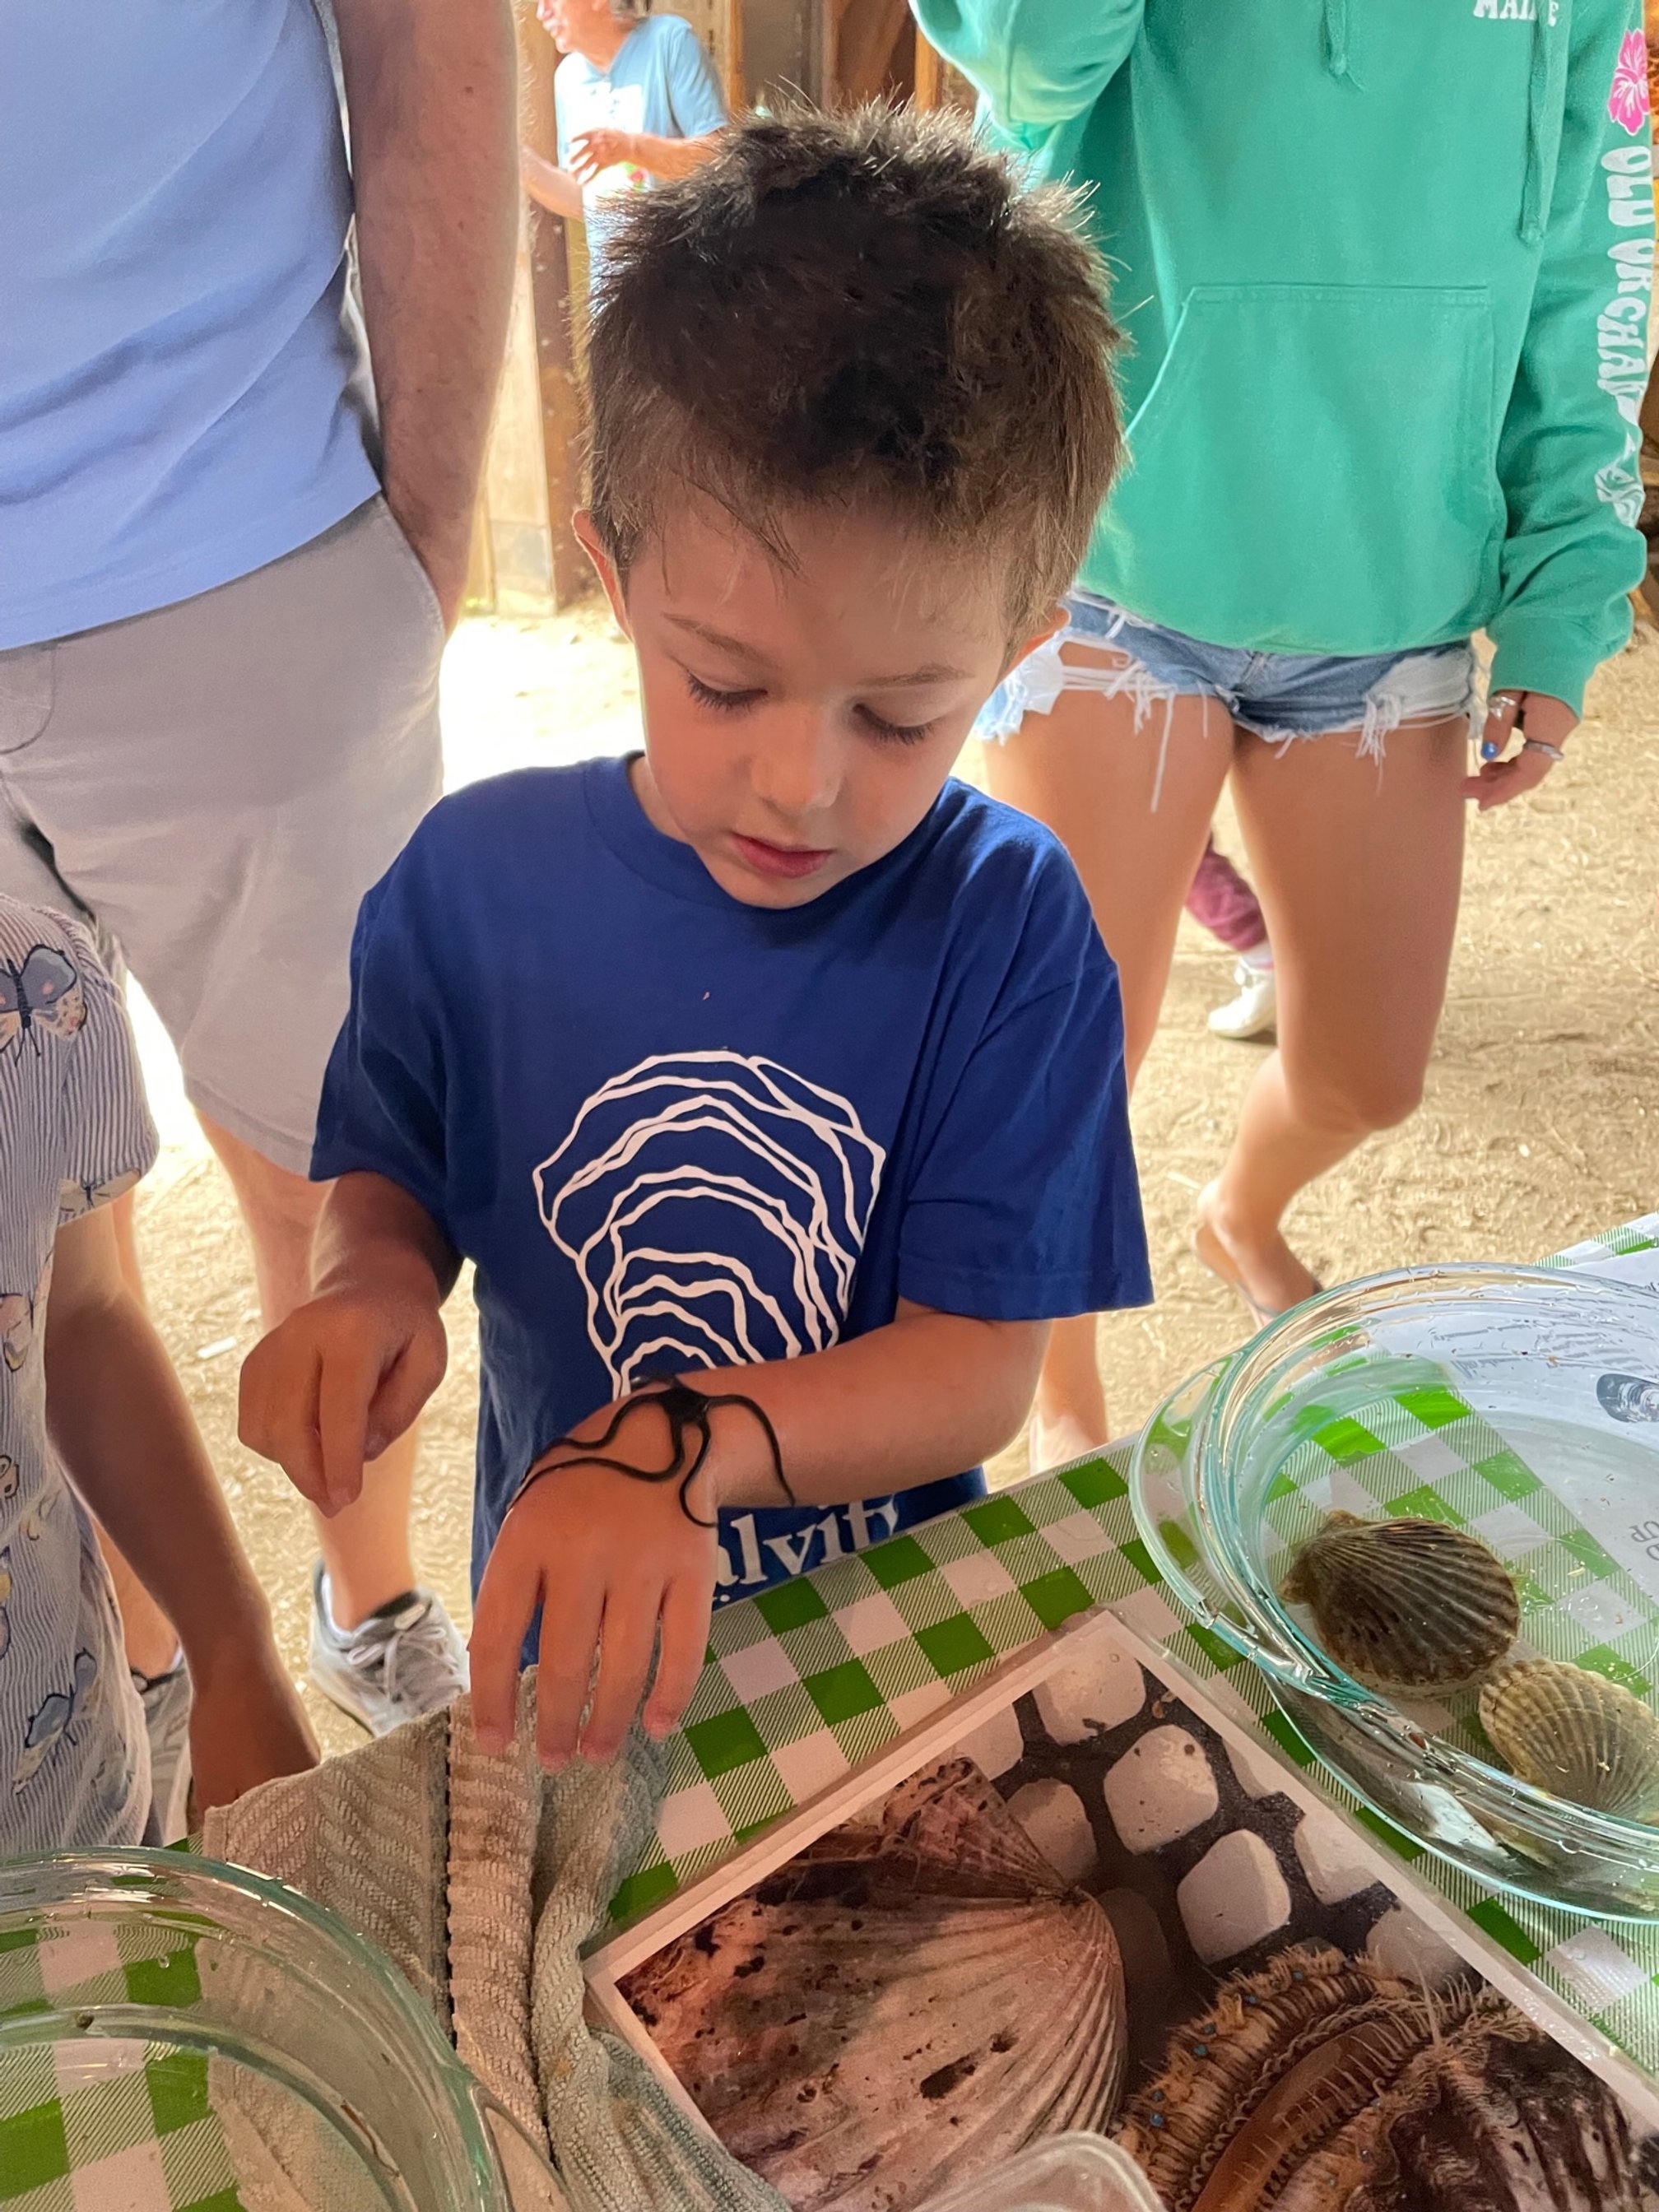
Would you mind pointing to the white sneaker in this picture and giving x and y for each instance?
(402, 1661)
(1254, 1011)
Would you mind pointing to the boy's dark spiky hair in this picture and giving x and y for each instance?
(850, 308)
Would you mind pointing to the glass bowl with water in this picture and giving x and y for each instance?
(1518, 1405)
(219, 2039)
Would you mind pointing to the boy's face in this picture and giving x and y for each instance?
(799, 723)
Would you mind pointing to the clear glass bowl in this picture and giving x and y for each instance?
(1066, 2173)
(1521, 1402)
(161, 1999)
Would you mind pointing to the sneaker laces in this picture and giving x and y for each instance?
(414, 1667)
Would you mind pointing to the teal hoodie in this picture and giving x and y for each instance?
(1383, 267)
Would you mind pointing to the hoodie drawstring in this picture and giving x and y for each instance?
(1336, 40)
(1549, 51)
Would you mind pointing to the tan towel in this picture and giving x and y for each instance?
(483, 1879)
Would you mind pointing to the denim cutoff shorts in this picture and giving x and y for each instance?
(1280, 696)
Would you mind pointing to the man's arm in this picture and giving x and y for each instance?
(593, 151)
(125, 1436)
(668, 158)
(430, 96)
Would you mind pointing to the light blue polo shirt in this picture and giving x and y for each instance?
(181, 397)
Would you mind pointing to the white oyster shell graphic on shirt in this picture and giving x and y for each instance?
(715, 1206)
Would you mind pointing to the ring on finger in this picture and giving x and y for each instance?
(1538, 745)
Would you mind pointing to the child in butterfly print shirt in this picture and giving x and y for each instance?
(90, 1409)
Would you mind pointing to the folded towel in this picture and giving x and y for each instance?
(484, 1879)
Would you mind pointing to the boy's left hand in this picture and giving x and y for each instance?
(246, 1726)
(611, 1560)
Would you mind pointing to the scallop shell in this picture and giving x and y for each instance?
(1318, 2085)
(1576, 1734)
(911, 2000)
(1411, 1606)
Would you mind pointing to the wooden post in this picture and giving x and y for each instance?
(549, 307)
(929, 81)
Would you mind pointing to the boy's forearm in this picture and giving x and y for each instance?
(121, 1426)
(372, 1230)
(926, 1397)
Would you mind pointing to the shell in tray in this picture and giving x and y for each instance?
(909, 2001)
(1318, 2085)
(1287, 2033)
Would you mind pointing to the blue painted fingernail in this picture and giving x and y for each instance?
(1488, 749)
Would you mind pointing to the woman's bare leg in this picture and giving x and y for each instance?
(1359, 868)
(1088, 772)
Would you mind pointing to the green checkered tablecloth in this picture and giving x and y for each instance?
(105, 2126)
(805, 1680)
(809, 1679)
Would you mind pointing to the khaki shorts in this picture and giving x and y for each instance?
(216, 784)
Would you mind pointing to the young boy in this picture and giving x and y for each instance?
(88, 1397)
(767, 1059)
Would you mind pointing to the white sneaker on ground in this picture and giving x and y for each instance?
(405, 1661)
(166, 1700)
(1254, 1011)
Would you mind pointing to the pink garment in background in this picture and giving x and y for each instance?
(1223, 903)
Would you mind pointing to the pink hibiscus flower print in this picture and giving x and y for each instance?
(1628, 103)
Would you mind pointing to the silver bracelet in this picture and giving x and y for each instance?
(1538, 745)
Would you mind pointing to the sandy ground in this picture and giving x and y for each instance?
(1540, 1126)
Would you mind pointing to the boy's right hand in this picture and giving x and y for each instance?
(339, 1381)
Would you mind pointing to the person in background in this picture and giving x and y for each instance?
(1386, 324)
(1220, 901)
(231, 545)
(88, 1399)
(635, 102)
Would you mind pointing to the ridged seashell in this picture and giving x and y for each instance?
(1318, 2085)
(915, 1997)
(1576, 1734)
(1281, 2061)
(1411, 1606)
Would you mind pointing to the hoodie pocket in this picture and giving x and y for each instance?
(1314, 470)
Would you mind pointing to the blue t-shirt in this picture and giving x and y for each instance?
(675, 1131)
(661, 81)
(180, 392)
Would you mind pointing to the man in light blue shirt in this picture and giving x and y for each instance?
(232, 540)
(635, 99)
